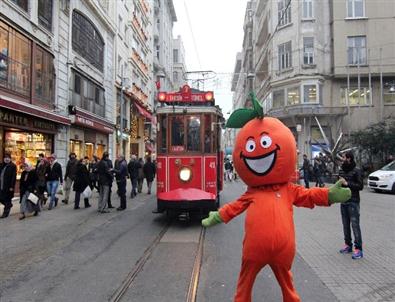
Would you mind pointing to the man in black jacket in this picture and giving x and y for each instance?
(351, 178)
(133, 169)
(7, 183)
(121, 172)
(54, 177)
(69, 177)
(105, 174)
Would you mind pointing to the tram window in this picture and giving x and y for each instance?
(177, 133)
(193, 132)
(207, 133)
(163, 133)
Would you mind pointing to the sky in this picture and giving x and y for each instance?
(212, 34)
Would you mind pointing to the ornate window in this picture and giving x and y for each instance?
(87, 41)
(45, 13)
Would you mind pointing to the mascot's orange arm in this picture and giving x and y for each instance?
(234, 208)
(309, 198)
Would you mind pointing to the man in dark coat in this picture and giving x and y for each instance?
(81, 182)
(306, 171)
(27, 185)
(69, 177)
(104, 171)
(121, 172)
(351, 178)
(149, 173)
(133, 169)
(7, 183)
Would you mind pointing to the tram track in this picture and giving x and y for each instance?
(191, 293)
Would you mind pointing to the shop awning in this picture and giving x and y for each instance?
(34, 111)
(143, 111)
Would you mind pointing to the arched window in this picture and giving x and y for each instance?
(87, 41)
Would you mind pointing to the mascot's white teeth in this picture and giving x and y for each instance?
(261, 165)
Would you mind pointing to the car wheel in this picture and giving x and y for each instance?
(393, 188)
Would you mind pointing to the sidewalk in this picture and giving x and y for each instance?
(319, 235)
(93, 200)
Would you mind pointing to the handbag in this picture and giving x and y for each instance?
(33, 198)
(87, 193)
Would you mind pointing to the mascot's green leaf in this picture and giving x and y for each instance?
(240, 117)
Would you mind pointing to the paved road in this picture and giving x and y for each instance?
(68, 255)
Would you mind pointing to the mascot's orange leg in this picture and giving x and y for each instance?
(248, 273)
(284, 278)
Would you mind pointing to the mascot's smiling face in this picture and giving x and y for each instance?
(265, 152)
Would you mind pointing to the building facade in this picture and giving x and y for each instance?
(33, 95)
(90, 72)
(179, 67)
(318, 64)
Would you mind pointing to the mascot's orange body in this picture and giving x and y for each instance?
(265, 158)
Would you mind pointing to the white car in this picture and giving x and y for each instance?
(383, 179)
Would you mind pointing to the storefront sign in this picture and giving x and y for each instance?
(14, 119)
(83, 120)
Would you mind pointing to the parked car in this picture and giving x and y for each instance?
(383, 179)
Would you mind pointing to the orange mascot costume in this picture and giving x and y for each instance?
(265, 159)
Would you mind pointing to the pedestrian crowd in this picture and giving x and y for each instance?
(39, 185)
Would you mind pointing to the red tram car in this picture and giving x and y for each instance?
(189, 155)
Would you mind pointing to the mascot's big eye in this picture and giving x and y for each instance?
(266, 141)
(250, 145)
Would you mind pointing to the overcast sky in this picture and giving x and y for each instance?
(217, 28)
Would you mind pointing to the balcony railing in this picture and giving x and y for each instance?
(139, 62)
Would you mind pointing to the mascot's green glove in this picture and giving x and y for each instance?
(212, 219)
(338, 194)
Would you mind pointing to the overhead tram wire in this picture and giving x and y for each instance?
(192, 35)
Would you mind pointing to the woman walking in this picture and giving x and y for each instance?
(81, 182)
(41, 181)
(140, 176)
(27, 185)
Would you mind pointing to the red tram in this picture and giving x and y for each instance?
(189, 156)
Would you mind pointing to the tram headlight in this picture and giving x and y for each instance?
(185, 174)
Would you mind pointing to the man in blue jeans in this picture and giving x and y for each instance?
(351, 177)
(54, 177)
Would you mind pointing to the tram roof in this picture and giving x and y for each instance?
(188, 109)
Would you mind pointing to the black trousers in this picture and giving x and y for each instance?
(350, 218)
(6, 200)
(122, 192)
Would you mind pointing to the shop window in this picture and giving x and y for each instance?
(310, 94)
(87, 41)
(100, 150)
(389, 92)
(355, 96)
(76, 147)
(21, 3)
(278, 99)
(45, 74)
(293, 97)
(15, 61)
(45, 13)
(193, 133)
(25, 147)
(89, 149)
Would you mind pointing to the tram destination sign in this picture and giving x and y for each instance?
(186, 95)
